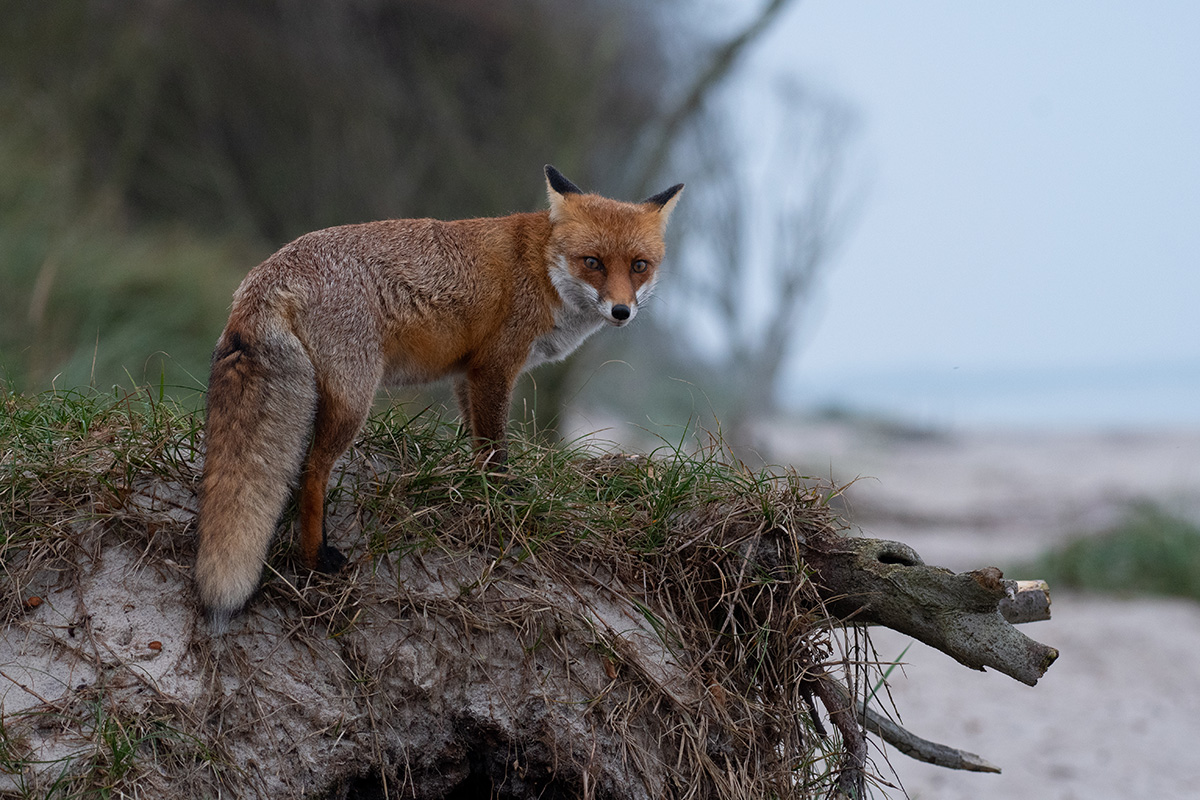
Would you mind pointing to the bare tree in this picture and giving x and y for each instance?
(659, 155)
(761, 232)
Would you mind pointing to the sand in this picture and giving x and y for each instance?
(1118, 716)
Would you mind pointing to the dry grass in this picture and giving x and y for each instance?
(604, 626)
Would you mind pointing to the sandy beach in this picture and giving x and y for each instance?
(1118, 715)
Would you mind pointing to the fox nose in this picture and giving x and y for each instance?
(620, 313)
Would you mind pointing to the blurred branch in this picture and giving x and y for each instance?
(719, 66)
(806, 232)
(761, 240)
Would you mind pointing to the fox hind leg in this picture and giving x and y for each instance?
(339, 418)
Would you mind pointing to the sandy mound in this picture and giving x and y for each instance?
(503, 640)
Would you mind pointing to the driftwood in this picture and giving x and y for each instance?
(881, 582)
(969, 616)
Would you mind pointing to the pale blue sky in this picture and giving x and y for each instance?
(1034, 185)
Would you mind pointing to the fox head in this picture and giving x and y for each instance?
(604, 254)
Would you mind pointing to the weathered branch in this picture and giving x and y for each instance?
(912, 745)
(851, 780)
(887, 583)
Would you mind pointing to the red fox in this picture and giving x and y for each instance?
(320, 325)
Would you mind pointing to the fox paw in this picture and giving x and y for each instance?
(330, 559)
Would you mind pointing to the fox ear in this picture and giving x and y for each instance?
(559, 183)
(665, 200)
(557, 188)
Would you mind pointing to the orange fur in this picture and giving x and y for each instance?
(321, 324)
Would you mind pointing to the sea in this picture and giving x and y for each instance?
(1110, 397)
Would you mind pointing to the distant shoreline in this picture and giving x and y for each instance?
(1148, 396)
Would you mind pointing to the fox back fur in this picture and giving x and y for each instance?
(321, 324)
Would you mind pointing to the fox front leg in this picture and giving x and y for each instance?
(462, 394)
(488, 395)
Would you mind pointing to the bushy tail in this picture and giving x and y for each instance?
(261, 403)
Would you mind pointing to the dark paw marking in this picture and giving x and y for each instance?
(330, 559)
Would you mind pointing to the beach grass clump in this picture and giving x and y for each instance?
(1150, 552)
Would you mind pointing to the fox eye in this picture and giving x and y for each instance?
(640, 266)
(592, 263)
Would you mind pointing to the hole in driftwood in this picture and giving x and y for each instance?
(904, 558)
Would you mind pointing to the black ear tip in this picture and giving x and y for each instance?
(559, 182)
(663, 197)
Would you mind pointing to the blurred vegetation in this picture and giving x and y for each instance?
(1152, 552)
(155, 151)
(89, 298)
(276, 117)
